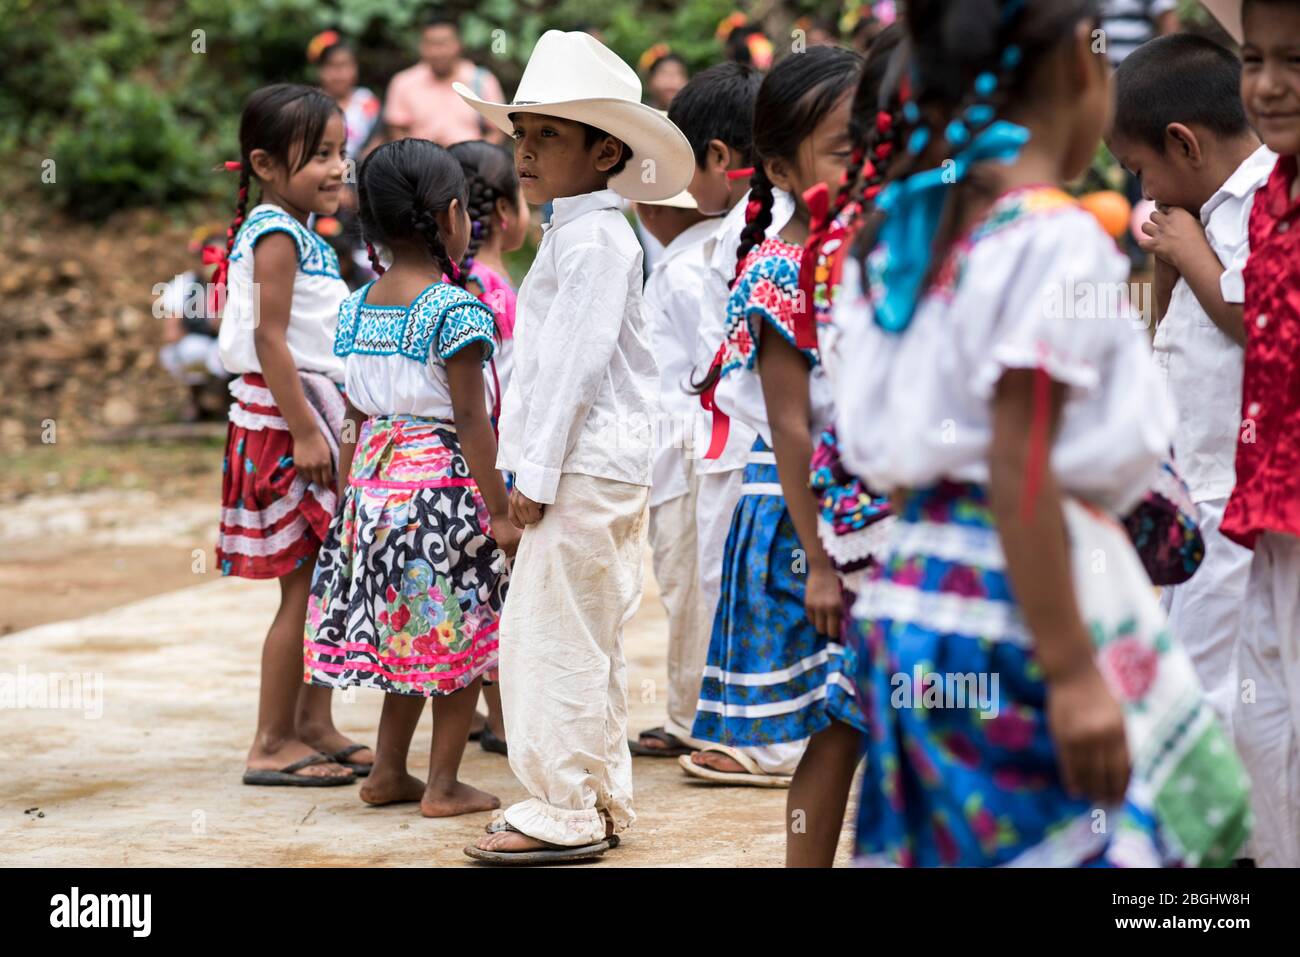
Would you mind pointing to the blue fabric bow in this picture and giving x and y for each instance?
(913, 208)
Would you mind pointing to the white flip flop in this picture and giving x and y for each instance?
(753, 776)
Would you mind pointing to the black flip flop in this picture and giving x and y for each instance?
(341, 757)
(490, 742)
(285, 777)
(548, 854)
(675, 746)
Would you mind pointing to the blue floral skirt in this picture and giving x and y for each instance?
(771, 677)
(961, 768)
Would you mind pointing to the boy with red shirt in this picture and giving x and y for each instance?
(1264, 511)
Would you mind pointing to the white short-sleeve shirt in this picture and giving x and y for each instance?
(395, 356)
(318, 290)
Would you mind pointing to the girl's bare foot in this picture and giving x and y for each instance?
(718, 762)
(381, 789)
(264, 756)
(456, 798)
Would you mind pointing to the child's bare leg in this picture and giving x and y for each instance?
(445, 795)
(277, 743)
(496, 721)
(389, 781)
(819, 793)
(315, 724)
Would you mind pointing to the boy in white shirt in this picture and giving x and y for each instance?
(1181, 127)
(716, 112)
(576, 434)
(675, 294)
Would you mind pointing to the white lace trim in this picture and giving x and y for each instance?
(255, 421)
(252, 518)
(261, 547)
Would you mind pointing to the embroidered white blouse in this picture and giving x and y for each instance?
(395, 356)
(585, 386)
(1037, 286)
(318, 289)
(743, 393)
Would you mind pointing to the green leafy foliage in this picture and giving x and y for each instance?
(138, 100)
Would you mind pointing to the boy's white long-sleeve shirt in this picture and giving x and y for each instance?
(584, 392)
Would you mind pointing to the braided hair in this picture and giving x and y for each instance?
(286, 120)
(490, 175)
(792, 100)
(969, 60)
(402, 187)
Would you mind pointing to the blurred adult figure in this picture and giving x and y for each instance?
(665, 73)
(421, 102)
(336, 73)
(1127, 24)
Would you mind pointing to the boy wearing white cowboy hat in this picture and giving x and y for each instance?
(576, 433)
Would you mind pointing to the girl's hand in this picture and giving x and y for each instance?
(523, 510)
(1087, 724)
(506, 535)
(823, 601)
(312, 459)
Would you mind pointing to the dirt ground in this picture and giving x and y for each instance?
(141, 765)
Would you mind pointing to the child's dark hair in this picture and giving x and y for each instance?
(590, 136)
(1180, 78)
(969, 60)
(400, 189)
(288, 121)
(489, 175)
(737, 43)
(793, 99)
(718, 104)
(874, 121)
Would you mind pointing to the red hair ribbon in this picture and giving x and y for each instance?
(216, 255)
(233, 166)
(721, 422)
(741, 173)
(818, 200)
(884, 121)
(1036, 463)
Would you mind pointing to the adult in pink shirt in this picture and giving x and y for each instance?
(420, 99)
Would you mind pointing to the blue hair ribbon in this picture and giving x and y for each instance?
(913, 208)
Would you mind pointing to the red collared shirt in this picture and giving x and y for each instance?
(1267, 494)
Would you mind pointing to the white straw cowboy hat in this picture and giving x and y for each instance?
(1228, 13)
(573, 76)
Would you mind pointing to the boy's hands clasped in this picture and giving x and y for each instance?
(1170, 232)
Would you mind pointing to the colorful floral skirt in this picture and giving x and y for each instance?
(961, 768)
(409, 585)
(771, 677)
(272, 519)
